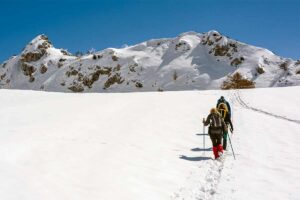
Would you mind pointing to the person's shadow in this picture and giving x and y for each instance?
(201, 134)
(201, 149)
(198, 158)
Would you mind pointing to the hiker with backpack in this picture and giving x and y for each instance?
(224, 112)
(222, 100)
(216, 129)
(226, 116)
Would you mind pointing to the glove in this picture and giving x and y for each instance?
(231, 130)
(203, 121)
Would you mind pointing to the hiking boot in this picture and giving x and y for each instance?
(215, 150)
(220, 149)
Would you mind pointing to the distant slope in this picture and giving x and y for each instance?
(190, 61)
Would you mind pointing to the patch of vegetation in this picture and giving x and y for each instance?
(177, 46)
(89, 80)
(32, 56)
(59, 64)
(224, 50)
(28, 70)
(207, 41)
(236, 81)
(76, 88)
(73, 72)
(45, 45)
(43, 69)
(218, 39)
(116, 78)
(266, 61)
(31, 79)
(65, 52)
(2, 76)
(175, 75)
(132, 67)
(284, 66)
(4, 64)
(44, 37)
(80, 77)
(237, 61)
(234, 46)
(105, 71)
(114, 58)
(260, 70)
(117, 68)
(138, 84)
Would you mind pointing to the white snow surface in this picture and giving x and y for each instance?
(134, 146)
(189, 61)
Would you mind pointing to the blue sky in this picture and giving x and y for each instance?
(85, 24)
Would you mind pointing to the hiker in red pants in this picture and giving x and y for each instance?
(216, 129)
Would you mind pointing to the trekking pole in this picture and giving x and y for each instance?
(231, 146)
(203, 136)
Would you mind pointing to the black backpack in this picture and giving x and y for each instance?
(215, 124)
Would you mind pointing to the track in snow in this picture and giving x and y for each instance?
(202, 188)
(239, 99)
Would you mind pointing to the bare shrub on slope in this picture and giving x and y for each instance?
(236, 81)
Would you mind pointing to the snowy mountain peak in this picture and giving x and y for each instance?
(39, 43)
(40, 46)
(214, 37)
(186, 62)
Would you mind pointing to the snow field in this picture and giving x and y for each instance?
(98, 146)
(145, 146)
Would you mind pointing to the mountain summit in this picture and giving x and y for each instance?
(187, 62)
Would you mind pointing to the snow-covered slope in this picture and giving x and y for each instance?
(189, 61)
(135, 146)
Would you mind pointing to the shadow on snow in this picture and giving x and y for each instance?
(198, 158)
(201, 149)
(201, 134)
